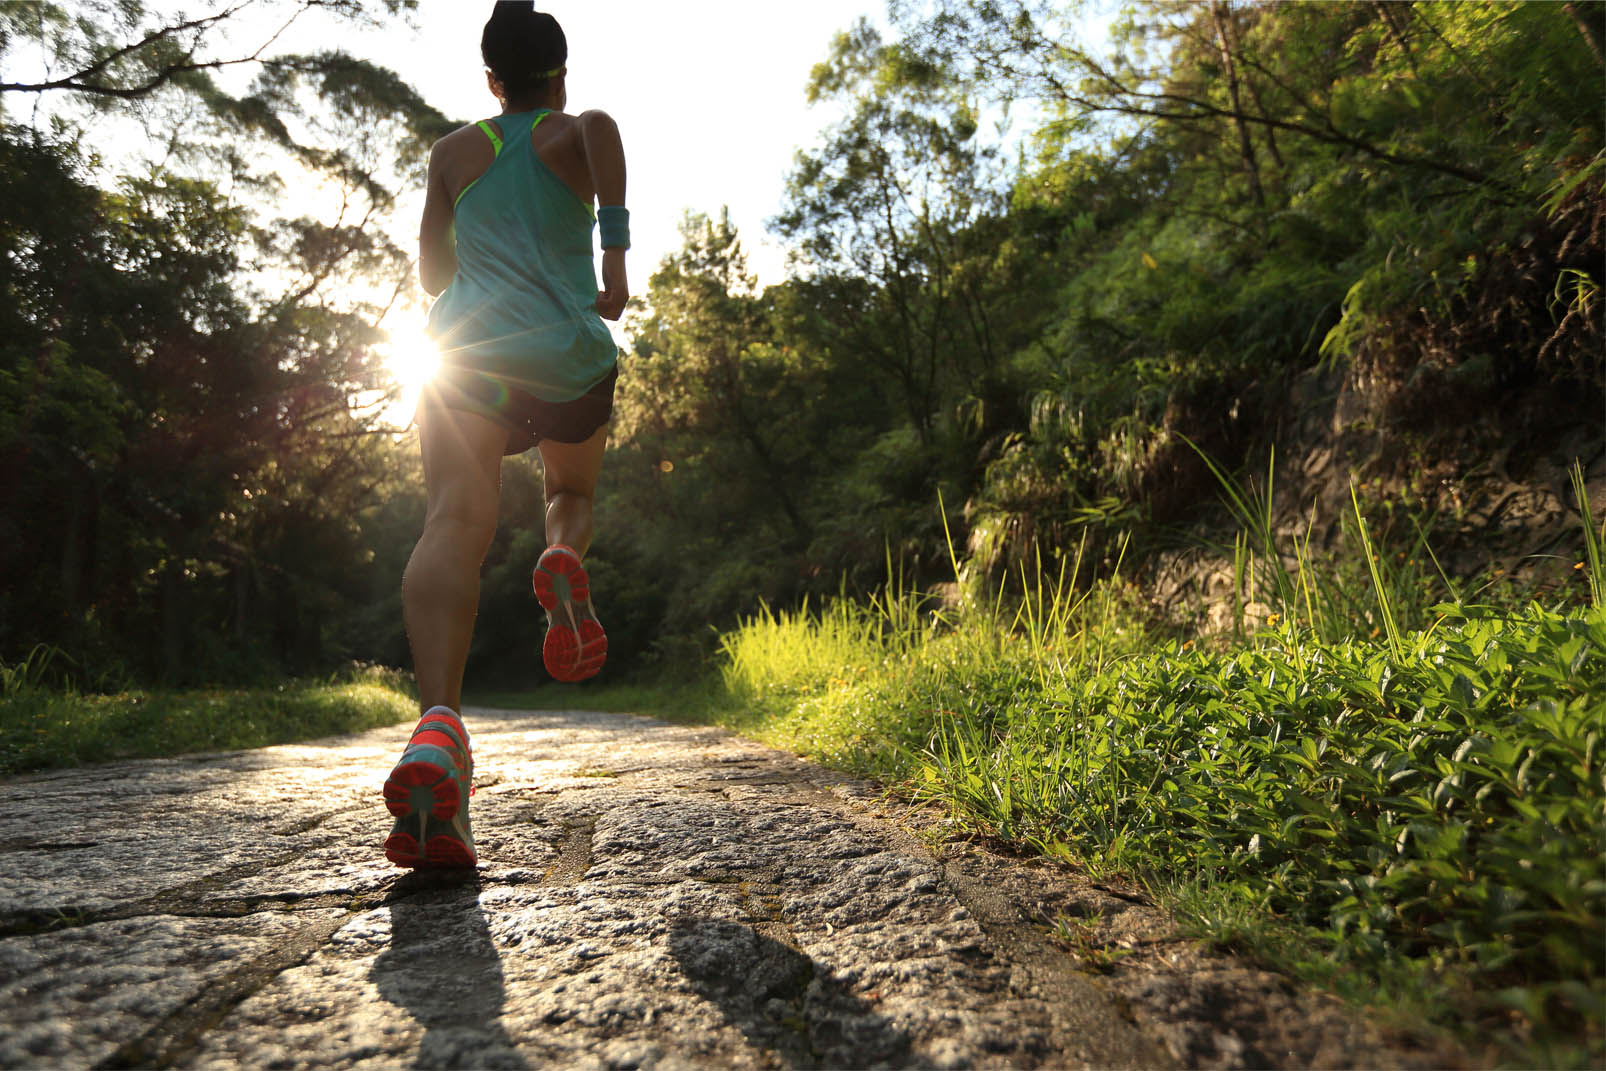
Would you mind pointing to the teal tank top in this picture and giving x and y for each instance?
(522, 304)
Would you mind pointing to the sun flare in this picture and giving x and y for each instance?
(411, 359)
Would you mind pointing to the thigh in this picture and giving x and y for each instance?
(573, 422)
(462, 455)
(572, 468)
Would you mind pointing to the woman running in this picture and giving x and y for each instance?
(525, 361)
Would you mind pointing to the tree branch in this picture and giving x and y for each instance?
(1180, 108)
(1197, 110)
(78, 82)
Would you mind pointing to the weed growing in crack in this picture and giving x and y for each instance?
(1078, 935)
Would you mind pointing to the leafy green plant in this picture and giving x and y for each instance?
(1443, 804)
(1420, 807)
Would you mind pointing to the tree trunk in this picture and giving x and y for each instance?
(1587, 25)
(1246, 147)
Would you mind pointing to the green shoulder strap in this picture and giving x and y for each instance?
(490, 132)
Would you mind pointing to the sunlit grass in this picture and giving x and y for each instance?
(1384, 787)
(1389, 789)
(43, 728)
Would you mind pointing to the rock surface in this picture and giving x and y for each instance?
(648, 896)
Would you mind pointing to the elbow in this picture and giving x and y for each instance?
(434, 278)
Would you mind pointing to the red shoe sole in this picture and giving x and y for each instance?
(446, 852)
(408, 776)
(402, 849)
(553, 565)
(569, 659)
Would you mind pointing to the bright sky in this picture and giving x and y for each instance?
(708, 95)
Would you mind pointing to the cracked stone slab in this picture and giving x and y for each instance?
(648, 896)
(79, 997)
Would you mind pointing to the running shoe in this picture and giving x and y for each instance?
(428, 793)
(575, 647)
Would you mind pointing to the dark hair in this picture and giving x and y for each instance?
(520, 45)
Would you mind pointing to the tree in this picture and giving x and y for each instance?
(889, 201)
(709, 385)
(181, 463)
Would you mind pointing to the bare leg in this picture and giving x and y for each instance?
(462, 455)
(576, 645)
(569, 473)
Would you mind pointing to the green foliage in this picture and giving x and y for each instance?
(30, 673)
(1445, 808)
(1192, 217)
(1229, 192)
(188, 486)
(906, 196)
(1433, 814)
(49, 727)
(710, 390)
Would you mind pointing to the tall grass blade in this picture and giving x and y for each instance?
(1396, 648)
(1592, 537)
(948, 538)
(1254, 513)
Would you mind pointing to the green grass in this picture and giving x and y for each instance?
(44, 728)
(1424, 829)
(1387, 788)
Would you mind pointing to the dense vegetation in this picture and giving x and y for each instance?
(1225, 200)
(184, 475)
(1409, 196)
(1419, 824)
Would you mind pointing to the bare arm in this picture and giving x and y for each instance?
(605, 159)
(605, 156)
(437, 254)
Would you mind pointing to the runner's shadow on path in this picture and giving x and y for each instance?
(443, 968)
(782, 1000)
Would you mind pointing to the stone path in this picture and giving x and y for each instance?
(648, 896)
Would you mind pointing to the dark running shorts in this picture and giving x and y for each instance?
(527, 418)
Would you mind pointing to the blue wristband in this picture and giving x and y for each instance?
(613, 223)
